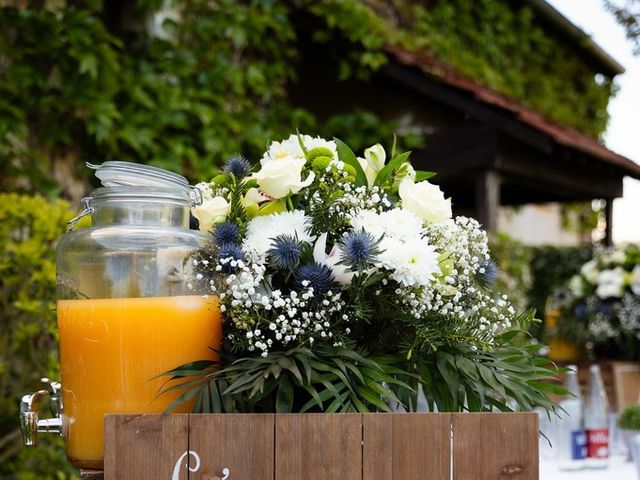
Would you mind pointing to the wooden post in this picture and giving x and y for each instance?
(487, 190)
(608, 215)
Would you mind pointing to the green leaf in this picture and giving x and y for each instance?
(385, 174)
(346, 155)
(284, 398)
(421, 175)
(467, 367)
(394, 145)
(274, 206)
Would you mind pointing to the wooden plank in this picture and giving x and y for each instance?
(144, 447)
(626, 382)
(406, 446)
(241, 443)
(318, 447)
(491, 446)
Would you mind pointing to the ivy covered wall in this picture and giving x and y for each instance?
(84, 81)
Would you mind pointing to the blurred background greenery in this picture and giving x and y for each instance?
(182, 85)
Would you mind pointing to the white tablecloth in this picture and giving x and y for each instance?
(618, 470)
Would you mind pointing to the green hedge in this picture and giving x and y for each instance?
(29, 229)
(531, 274)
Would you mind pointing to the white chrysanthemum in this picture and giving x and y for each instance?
(369, 221)
(611, 283)
(412, 262)
(395, 223)
(402, 224)
(291, 148)
(286, 148)
(310, 143)
(262, 230)
(205, 190)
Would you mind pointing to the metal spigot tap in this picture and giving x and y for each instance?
(30, 424)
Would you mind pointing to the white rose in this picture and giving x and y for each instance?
(282, 177)
(425, 200)
(373, 161)
(211, 211)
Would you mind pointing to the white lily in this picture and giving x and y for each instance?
(341, 272)
(373, 161)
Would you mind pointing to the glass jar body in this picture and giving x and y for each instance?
(127, 312)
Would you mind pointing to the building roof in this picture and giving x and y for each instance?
(606, 64)
(563, 135)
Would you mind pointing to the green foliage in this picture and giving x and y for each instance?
(73, 87)
(630, 418)
(506, 377)
(514, 261)
(341, 379)
(328, 379)
(505, 48)
(29, 229)
(552, 267)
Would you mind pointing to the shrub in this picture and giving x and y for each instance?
(630, 418)
(29, 229)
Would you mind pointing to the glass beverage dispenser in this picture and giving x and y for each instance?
(126, 309)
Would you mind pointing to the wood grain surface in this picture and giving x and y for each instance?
(319, 447)
(406, 446)
(492, 446)
(399, 446)
(144, 447)
(241, 443)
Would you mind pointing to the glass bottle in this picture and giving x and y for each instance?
(596, 421)
(571, 438)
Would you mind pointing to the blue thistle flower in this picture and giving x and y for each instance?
(286, 252)
(488, 273)
(227, 253)
(237, 165)
(320, 278)
(359, 249)
(581, 311)
(226, 232)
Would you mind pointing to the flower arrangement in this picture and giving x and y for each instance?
(600, 305)
(346, 285)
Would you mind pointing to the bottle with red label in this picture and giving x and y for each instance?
(596, 421)
(571, 443)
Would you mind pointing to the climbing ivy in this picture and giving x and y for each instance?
(78, 82)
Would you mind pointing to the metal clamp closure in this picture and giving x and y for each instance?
(87, 210)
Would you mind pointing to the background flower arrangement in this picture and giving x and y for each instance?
(600, 305)
(346, 285)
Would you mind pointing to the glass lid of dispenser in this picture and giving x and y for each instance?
(129, 174)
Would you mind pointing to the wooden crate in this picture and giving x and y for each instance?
(403, 446)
